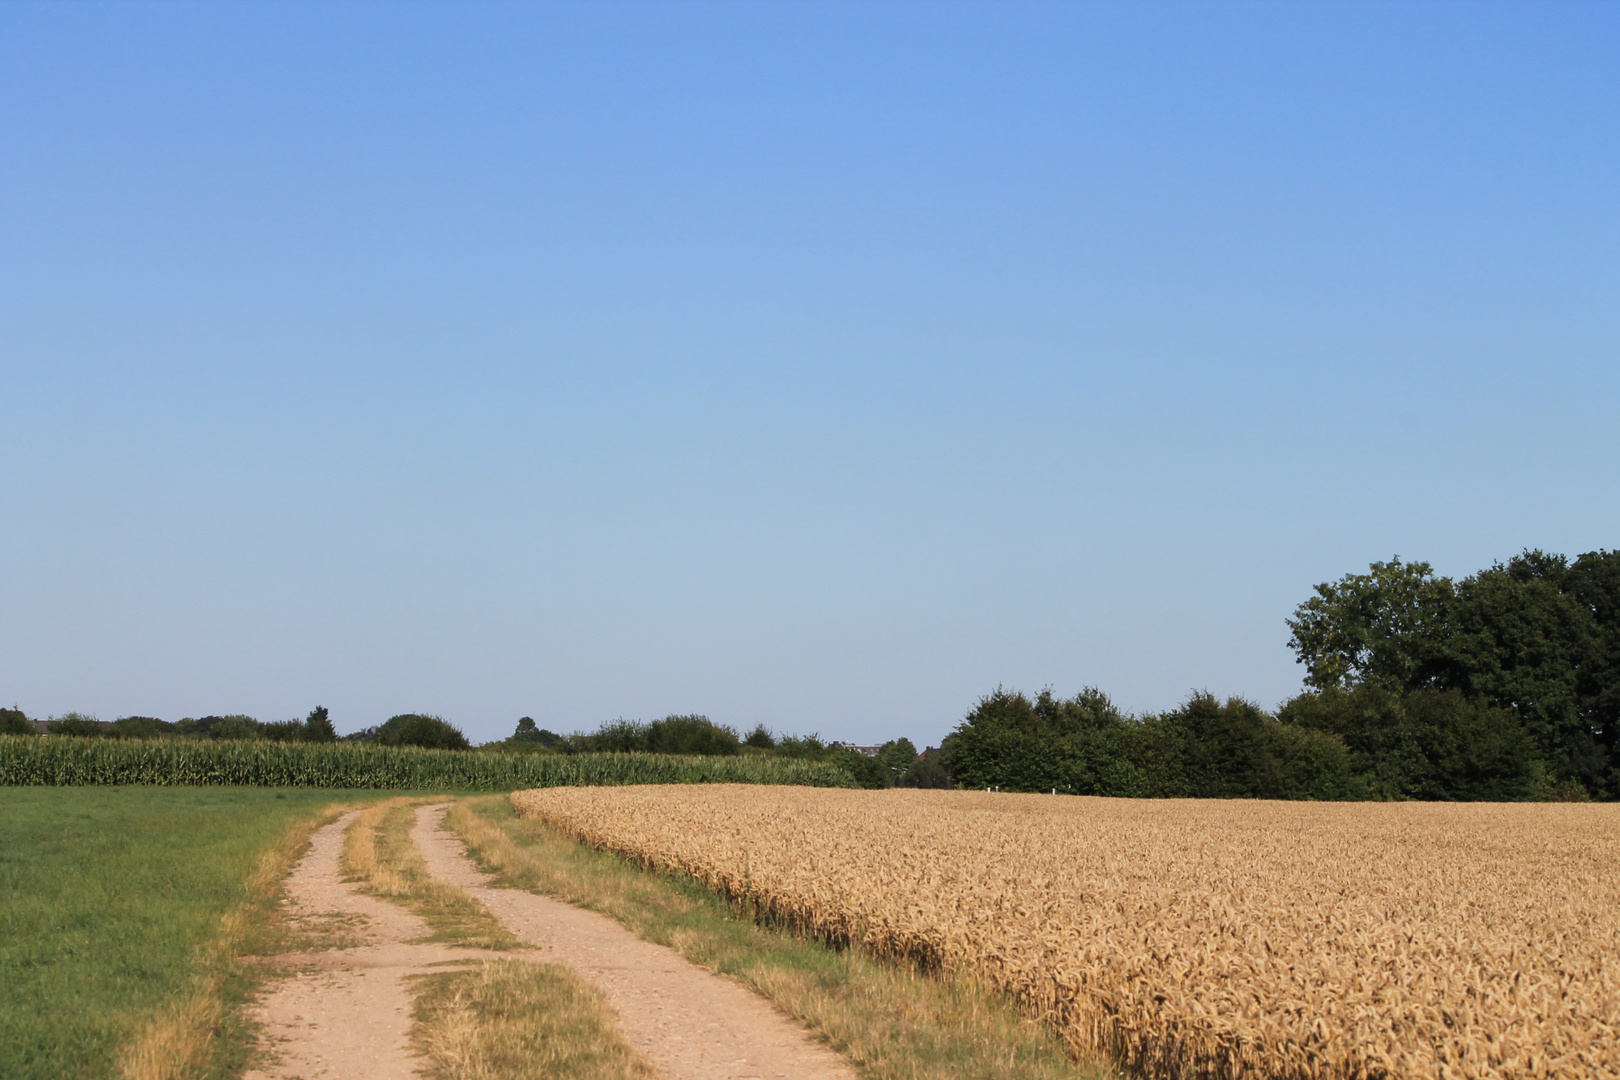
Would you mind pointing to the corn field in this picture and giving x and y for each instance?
(1191, 938)
(64, 761)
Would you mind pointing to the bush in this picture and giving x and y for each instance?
(1429, 744)
(419, 729)
(315, 728)
(802, 746)
(1210, 750)
(236, 726)
(78, 724)
(13, 722)
(1086, 746)
(930, 770)
(866, 771)
(671, 735)
(528, 738)
(691, 735)
(139, 727)
(881, 771)
(1081, 746)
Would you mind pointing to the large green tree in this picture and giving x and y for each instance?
(1594, 581)
(1382, 627)
(1537, 637)
(1516, 639)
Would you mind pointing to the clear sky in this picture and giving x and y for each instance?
(817, 365)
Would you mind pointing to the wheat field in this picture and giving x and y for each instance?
(1190, 937)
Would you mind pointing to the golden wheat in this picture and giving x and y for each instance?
(1191, 937)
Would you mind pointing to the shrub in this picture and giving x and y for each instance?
(281, 731)
(420, 729)
(930, 770)
(139, 727)
(671, 735)
(1429, 744)
(1235, 750)
(315, 728)
(1085, 746)
(691, 735)
(802, 746)
(233, 727)
(882, 771)
(13, 722)
(867, 771)
(78, 724)
(529, 738)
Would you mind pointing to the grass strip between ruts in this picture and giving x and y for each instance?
(511, 1020)
(890, 1021)
(378, 852)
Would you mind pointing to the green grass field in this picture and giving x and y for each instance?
(108, 896)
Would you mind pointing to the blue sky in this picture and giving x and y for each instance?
(816, 365)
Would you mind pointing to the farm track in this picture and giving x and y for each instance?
(346, 1011)
(689, 1023)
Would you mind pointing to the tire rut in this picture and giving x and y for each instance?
(688, 1022)
(345, 1013)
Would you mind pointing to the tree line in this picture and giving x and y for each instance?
(697, 734)
(1502, 686)
(407, 729)
(688, 735)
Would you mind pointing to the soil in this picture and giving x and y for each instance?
(689, 1023)
(345, 1012)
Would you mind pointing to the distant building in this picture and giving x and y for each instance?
(869, 751)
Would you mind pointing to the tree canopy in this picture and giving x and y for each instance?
(1537, 637)
(417, 729)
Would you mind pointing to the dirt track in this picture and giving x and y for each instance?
(346, 1012)
(689, 1023)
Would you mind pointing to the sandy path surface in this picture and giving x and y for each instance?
(689, 1023)
(345, 1013)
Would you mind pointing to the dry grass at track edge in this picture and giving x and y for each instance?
(889, 1020)
(178, 1042)
(511, 1020)
(378, 852)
